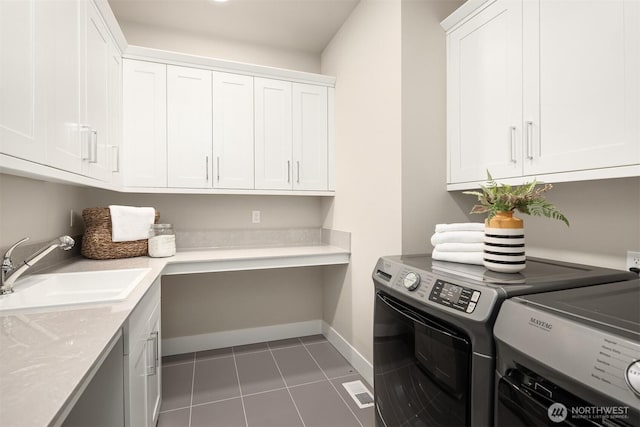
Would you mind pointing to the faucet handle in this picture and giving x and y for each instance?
(6, 261)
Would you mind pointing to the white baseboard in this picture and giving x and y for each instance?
(353, 356)
(237, 337)
(189, 344)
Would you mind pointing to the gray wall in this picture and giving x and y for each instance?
(365, 58)
(424, 152)
(37, 209)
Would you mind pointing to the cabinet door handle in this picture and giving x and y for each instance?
(93, 152)
(218, 168)
(530, 140)
(206, 167)
(298, 163)
(115, 159)
(85, 144)
(512, 137)
(288, 171)
(152, 368)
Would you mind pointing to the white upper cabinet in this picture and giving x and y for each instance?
(484, 93)
(273, 134)
(95, 102)
(310, 137)
(54, 106)
(144, 151)
(114, 81)
(547, 88)
(233, 131)
(581, 85)
(22, 78)
(189, 127)
(62, 88)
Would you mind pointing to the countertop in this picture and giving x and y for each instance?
(47, 355)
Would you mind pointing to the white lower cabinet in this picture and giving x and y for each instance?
(142, 362)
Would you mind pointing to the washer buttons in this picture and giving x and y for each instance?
(475, 297)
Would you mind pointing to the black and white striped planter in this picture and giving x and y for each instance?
(504, 249)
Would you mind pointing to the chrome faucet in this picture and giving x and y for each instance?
(11, 273)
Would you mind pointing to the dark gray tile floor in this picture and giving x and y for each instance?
(286, 383)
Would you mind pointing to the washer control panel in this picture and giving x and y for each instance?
(458, 297)
(454, 296)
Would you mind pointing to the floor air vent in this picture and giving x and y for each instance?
(359, 393)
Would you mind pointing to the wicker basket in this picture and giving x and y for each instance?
(96, 242)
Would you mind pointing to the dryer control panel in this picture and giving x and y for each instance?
(454, 296)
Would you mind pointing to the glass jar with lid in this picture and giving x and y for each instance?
(162, 241)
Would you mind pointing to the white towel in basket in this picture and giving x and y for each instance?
(130, 223)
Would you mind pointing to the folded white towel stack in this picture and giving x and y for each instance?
(459, 242)
(130, 223)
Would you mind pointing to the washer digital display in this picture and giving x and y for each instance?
(451, 293)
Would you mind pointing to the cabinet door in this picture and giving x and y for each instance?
(273, 134)
(154, 375)
(144, 146)
(96, 98)
(582, 85)
(484, 94)
(62, 44)
(137, 387)
(310, 141)
(233, 131)
(22, 63)
(115, 110)
(189, 121)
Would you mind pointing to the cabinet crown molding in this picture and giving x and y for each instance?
(195, 61)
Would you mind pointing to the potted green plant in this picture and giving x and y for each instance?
(504, 248)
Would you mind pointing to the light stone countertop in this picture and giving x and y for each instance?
(48, 354)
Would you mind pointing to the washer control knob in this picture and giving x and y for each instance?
(632, 377)
(411, 281)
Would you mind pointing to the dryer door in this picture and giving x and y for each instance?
(421, 367)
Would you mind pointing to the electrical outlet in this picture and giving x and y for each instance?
(633, 259)
(255, 217)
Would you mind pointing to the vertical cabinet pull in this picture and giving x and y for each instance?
(530, 140)
(85, 144)
(152, 365)
(115, 159)
(298, 165)
(288, 171)
(218, 168)
(206, 168)
(93, 147)
(512, 138)
(89, 148)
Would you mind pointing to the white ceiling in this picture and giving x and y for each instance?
(301, 25)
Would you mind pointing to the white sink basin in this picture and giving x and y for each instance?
(47, 290)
